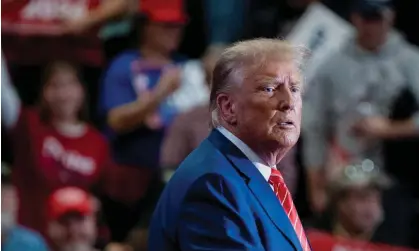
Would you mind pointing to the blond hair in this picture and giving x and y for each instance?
(244, 57)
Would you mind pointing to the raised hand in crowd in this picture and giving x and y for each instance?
(129, 116)
(169, 82)
(383, 128)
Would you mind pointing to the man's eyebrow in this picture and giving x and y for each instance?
(293, 80)
(263, 78)
(278, 80)
(296, 81)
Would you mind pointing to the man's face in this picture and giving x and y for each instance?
(9, 206)
(267, 106)
(362, 209)
(74, 231)
(372, 32)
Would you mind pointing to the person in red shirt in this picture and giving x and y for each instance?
(53, 145)
(65, 29)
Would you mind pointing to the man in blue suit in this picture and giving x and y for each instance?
(227, 195)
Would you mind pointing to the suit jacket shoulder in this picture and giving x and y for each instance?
(218, 194)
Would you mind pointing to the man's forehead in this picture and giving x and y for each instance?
(279, 74)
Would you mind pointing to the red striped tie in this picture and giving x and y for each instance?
(285, 198)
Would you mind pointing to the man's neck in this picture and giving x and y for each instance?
(270, 153)
(271, 156)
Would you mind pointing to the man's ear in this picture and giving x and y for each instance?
(227, 108)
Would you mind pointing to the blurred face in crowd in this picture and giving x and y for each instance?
(63, 94)
(9, 206)
(73, 231)
(373, 31)
(267, 106)
(360, 210)
(164, 37)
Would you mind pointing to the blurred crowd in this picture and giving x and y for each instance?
(101, 100)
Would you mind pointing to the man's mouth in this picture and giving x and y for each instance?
(286, 124)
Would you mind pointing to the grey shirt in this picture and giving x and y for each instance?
(354, 83)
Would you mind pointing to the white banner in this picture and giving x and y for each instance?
(322, 32)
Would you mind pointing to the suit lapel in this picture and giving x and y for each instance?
(258, 186)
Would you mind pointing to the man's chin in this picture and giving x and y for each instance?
(287, 139)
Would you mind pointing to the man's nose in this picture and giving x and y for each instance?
(285, 99)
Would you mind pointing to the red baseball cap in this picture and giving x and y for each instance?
(164, 11)
(69, 200)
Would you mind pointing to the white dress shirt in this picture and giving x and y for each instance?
(263, 168)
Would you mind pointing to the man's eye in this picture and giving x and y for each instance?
(269, 89)
(295, 89)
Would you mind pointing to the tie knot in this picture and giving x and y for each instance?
(276, 177)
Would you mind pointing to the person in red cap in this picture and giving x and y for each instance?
(164, 11)
(72, 223)
(136, 103)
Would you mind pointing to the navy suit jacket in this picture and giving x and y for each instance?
(218, 200)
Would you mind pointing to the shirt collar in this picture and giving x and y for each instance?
(263, 168)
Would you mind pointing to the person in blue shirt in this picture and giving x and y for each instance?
(135, 101)
(13, 236)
